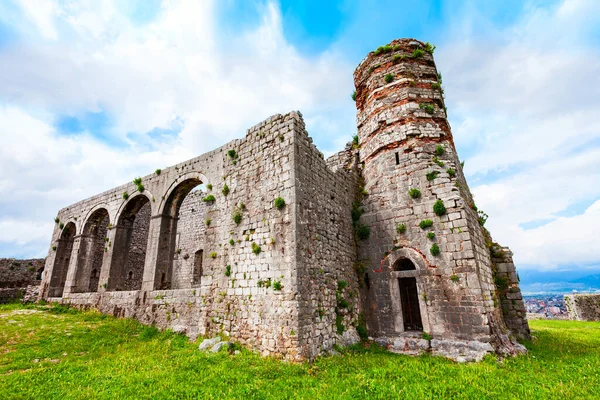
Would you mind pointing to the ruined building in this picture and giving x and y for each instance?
(290, 253)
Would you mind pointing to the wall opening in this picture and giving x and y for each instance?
(92, 247)
(131, 241)
(397, 158)
(409, 298)
(64, 248)
(40, 274)
(404, 264)
(198, 266)
(182, 230)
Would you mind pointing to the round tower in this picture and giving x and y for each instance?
(430, 269)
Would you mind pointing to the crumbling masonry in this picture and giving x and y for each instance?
(203, 247)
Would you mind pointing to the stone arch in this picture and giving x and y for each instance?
(408, 271)
(169, 261)
(92, 248)
(130, 244)
(93, 210)
(176, 192)
(64, 248)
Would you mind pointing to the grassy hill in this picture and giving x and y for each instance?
(50, 352)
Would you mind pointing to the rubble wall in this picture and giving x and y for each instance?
(583, 307)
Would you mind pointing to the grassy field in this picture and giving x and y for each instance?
(49, 352)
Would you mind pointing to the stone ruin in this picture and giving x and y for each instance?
(583, 307)
(265, 241)
(19, 279)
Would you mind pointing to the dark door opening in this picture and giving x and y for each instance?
(409, 297)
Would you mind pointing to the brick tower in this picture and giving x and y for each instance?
(431, 273)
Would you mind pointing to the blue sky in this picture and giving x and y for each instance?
(93, 93)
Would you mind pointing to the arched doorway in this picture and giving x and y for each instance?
(64, 248)
(408, 294)
(169, 254)
(129, 248)
(92, 248)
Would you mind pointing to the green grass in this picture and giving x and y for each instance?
(85, 355)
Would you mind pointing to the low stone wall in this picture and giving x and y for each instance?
(8, 295)
(583, 307)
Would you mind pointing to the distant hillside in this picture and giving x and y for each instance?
(558, 282)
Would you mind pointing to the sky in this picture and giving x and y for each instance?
(95, 92)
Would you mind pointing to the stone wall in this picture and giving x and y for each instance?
(326, 248)
(16, 275)
(583, 307)
(509, 293)
(247, 286)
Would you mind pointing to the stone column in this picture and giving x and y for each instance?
(159, 252)
(107, 260)
(73, 264)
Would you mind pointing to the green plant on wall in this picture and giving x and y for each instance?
(237, 217)
(354, 95)
(430, 235)
(125, 195)
(363, 232)
(439, 150)
(438, 208)
(225, 190)
(417, 53)
(279, 203)
(256, 248)
(277, 285)
(426, 223)
(208, 199)
(429, 48)
(228, 270)
(428, 108)
(414, 193)
(158, 171)
(401, 228)
(209, 186)
(213, 255)
(389, 78)
(451, 172)
(432, 175)
(233, 155)
(435, 250)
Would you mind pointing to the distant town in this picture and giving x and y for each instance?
(546, 306)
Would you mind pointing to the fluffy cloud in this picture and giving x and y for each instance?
(176, 73)
(524, 109)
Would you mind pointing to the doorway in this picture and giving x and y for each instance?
(409, 298)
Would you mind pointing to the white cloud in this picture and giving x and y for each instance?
(526, 104)
(176, 69)
(42, 14)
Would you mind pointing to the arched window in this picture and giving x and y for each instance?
(91, 252)
(64, 248)
(129, 249)
(182, 226)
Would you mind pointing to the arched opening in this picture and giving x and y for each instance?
(179, 262)
(39, 274)
(93, 246)
(131, 241)
(409, 295)
(404, 264)
(64, 248)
